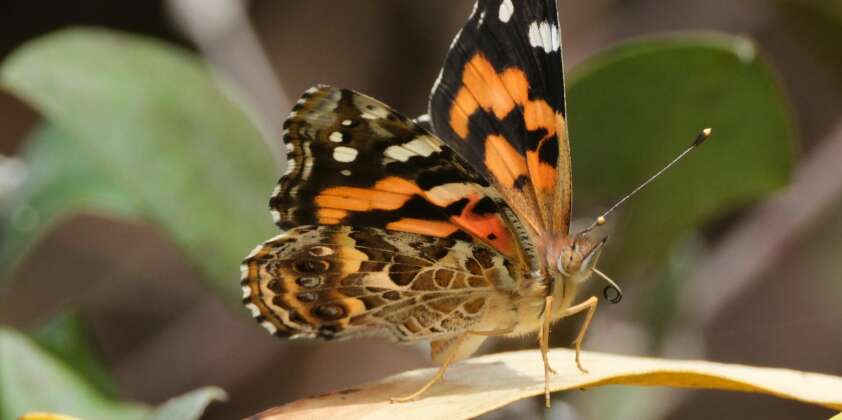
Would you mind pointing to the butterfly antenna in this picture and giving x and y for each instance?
(612, 285)
(704, 135)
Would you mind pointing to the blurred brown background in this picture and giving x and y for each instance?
(162, 333)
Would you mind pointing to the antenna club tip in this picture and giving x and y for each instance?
(600, 220)
(704, 135)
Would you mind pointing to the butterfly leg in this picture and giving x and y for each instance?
(454, 349)
(544, 341)
(590, 306)
(493, 333)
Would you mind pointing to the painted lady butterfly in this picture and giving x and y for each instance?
(451, 228)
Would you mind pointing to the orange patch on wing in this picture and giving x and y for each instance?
(331, 216)
(423, 227)
(481, 79)
(360, 199)
(538, 114)
(543, 175)
(483, 86)
(460, 111)
(397, 185)
(488, 228)
(503, 161)
(516, 84)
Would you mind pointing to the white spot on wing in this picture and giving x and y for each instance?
(255, 311)
(345, 172)
(371, 110)
(336, 137)
(544, 35)
(276, 216)
(344, 154)
(308, 162)
(507, 9)
(269, 327)
(290, 167)
(398, 153)
(347, 123)
(246, 291)
(419, 146)
(447, 194)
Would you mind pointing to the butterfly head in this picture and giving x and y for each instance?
(577, 257)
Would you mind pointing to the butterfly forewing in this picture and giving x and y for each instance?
(355, 161)
(499, 102)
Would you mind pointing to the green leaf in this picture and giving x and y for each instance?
(67, 339)
(33, 380)
(635, 107)
(152, 115)
(662, 307)
(62, 179)
(188, 406)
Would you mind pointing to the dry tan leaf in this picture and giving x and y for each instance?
(485, 383)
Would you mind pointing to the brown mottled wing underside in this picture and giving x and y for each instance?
(339, 281)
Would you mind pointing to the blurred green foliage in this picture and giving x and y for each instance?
(154, 121)
(62, 179)
(634, 107)
(31, 379)
(68, 340)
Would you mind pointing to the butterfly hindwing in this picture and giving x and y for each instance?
(355, 161)
(499, 102)
(340, 281)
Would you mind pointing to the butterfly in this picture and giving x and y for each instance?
(450, 228)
